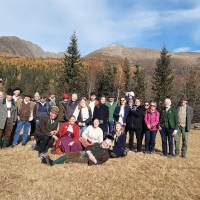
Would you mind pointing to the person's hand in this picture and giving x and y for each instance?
(70, 144)
(89, 140)
(159, 128)
(148, 126)
(83, 124)
(174, 133)
(120, 114)
(80, 124)
(52, 133)
(111, 148)
(18, 118)
(124, 124)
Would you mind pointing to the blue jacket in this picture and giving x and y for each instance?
(116, 113)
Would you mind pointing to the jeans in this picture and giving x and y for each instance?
(20, 124)
(166, 134)
(150, 138)
(138, 137)
(111, 126)
(82, 129)
(181, 131)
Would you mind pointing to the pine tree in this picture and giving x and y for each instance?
(162, 78)
(139, 82)
(107, 79)
(126, 69)
(73, 73)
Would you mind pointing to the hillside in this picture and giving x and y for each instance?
(12, 45)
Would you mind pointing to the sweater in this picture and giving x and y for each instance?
(111, 109)
(152, 119)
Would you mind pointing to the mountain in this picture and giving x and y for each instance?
(15, 46)
(146, 57)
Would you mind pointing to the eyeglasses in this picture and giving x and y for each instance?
(43, 98)
(146, 104)
(152, 105)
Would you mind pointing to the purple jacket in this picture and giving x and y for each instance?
(152, 118)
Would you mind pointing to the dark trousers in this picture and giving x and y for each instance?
(6, 132)
(138, 137)
(32, 128)
(166, 134)
(150, 138)
(42, 143)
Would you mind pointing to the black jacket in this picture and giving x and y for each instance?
(135, 118)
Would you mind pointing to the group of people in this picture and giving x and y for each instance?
(90, 130)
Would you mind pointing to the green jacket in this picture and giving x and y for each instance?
(111, 110)
(169, 119)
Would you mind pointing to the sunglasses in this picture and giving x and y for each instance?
(146, 104)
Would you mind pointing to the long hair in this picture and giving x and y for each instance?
(119, 102)
(121, 131)
(86, 103)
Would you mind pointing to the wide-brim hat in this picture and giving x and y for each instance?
(9, 92)
(17, 88)
(55, 110)
(111, 96)
(184, 98)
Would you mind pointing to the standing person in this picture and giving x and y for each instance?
(47, 128)
(168, 127)
(93, 101)
(33, 126)
(71, 106)
(121, 112)
(25, 115)
(8, 113)
(41, 109)
(17, 91)
(151, 120)
(118, 148)
(111, 107)
(68, 137)
(52, 99)
(101, 112)
(185, 115)
(134, 124)
(83, 114)
(1, 95)
(63, 108)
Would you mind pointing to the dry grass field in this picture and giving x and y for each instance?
(145, 177)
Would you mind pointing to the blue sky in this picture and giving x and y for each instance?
(98, 23)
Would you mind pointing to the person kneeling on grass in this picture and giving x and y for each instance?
(93, 155)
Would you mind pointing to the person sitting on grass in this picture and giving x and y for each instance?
(119, 141)
(95, 154)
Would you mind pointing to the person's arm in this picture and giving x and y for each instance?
(87, 121)
(101, 158)
(100, 138)
(116, 112)
(85, 133)
(76, 132)
(155, 123)
(138, 113)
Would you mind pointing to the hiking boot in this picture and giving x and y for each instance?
(183, 155)
(32, 138)
(32, 147)
(48, 160)
(41, 155)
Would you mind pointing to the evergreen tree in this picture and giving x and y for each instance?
(106, 82)
(139, 82)
(162, 78)
(126, 69)
(73, 74)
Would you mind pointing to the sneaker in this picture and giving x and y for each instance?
(12, 146)
(151, 152)
(32, 147)
(138, 152)
(24, 144)
(32, 138)
(176, 154)
(162, 154)
(43, 160)
(41, 155)
(146, 152)
(170, 156)
(183, 155)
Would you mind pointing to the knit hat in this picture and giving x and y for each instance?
(9, 92)
(17, 88)
(132, 94)
(36, 94)
(55, 110)
(65, 96)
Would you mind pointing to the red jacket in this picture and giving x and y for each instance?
(152, 118)
(63, 132)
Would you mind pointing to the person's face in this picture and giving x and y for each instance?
(122, 101)
(43, 99)
(167, 103)
(82, 102)
(72, 120)
(96, 123)
(103, 100)
(111, 99)
(183, 103)
(137, 102)
(130, 96)
(118, 127)
(53, 115)
(9, 97)
(152, 107)
(27, 99)
(93, 97)
(37, 98)
(105, 144)
(16, 93)
(130, 104)
(52, 96)
(65, 100)
(146, 105)
(74, 97)
(1, 95)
